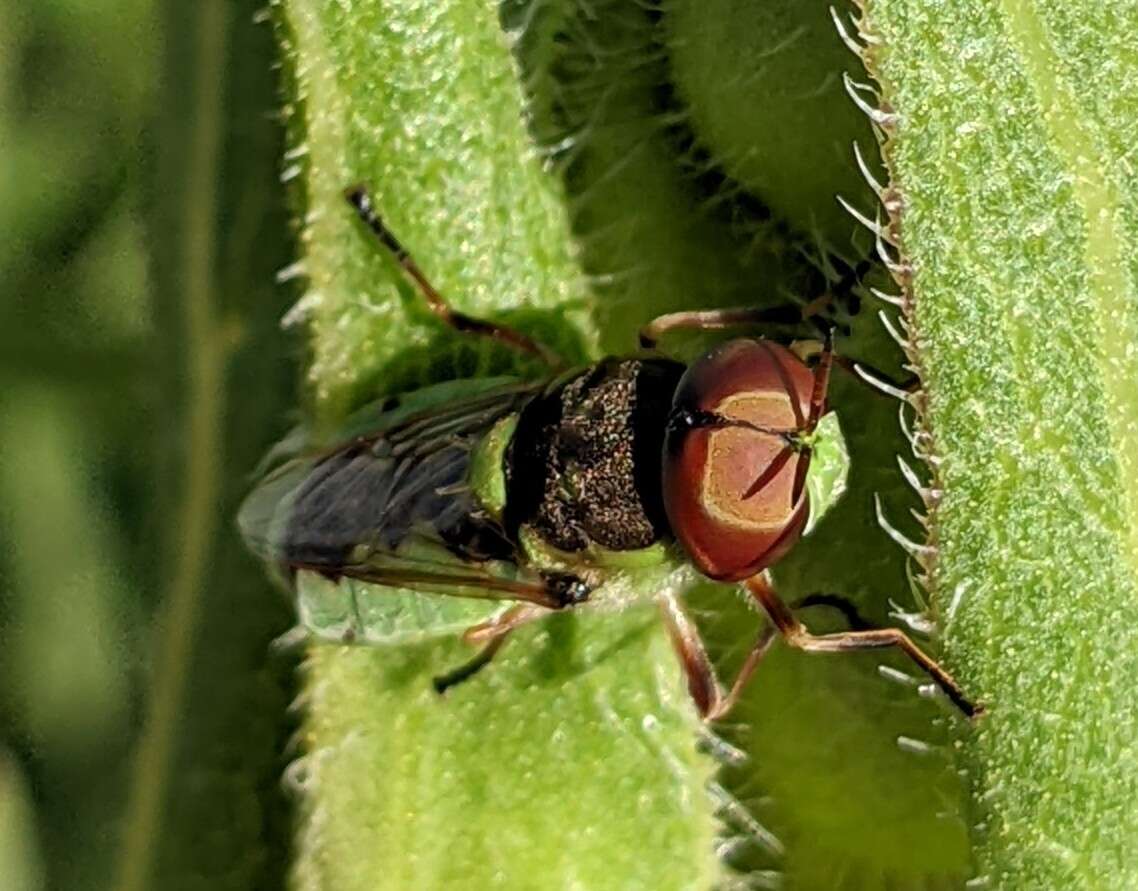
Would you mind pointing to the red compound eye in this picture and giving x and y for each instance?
(734, 488)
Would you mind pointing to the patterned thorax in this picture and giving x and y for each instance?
(584, 467)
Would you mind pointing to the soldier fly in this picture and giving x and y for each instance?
(594, 487)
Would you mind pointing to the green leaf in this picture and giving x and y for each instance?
(762, 83)
(1010, 137)
(573, 757)
(571, 761)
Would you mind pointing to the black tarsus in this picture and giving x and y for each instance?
(469, 669)
(359, 197)
(567, 588)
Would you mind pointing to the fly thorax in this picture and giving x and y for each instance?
(584, 467)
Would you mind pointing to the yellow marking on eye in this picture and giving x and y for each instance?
(737, 457)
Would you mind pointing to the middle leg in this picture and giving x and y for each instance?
(815, 312)
(715, 319)
(493, 634)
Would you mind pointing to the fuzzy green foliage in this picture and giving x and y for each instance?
(572, 763)
(1014, 125)
(570, 758)
(756, 79)
(574, 757)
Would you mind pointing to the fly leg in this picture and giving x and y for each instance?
(715, 319)
(709, 698)
(360, 199)
(703, 685)
(797, 635)
(767, 636)
(814, 312)
(493, 634)
(819, 312)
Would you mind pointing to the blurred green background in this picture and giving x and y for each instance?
(143, 228)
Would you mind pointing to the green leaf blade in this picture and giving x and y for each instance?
(1018, 221)
(570, 761)
(567, 762)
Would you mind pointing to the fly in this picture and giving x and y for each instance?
(601, 485)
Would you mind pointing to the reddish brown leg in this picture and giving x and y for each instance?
(709, 698)
(494, 633)
(767, 636)
(360, 199)
(821, 383)
(713, 319)
(790, 314)
(703, 685)
(796, 634)
(505, 622)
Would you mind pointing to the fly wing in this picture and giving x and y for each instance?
(347, 611)
(393, 504)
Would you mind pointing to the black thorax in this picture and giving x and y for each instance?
(584, 464)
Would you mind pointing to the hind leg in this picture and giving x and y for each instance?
(360, 199)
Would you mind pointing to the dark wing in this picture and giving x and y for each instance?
(393, 504)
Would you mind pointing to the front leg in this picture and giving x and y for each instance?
(710, 700)
(703, 685)
(797, 635)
